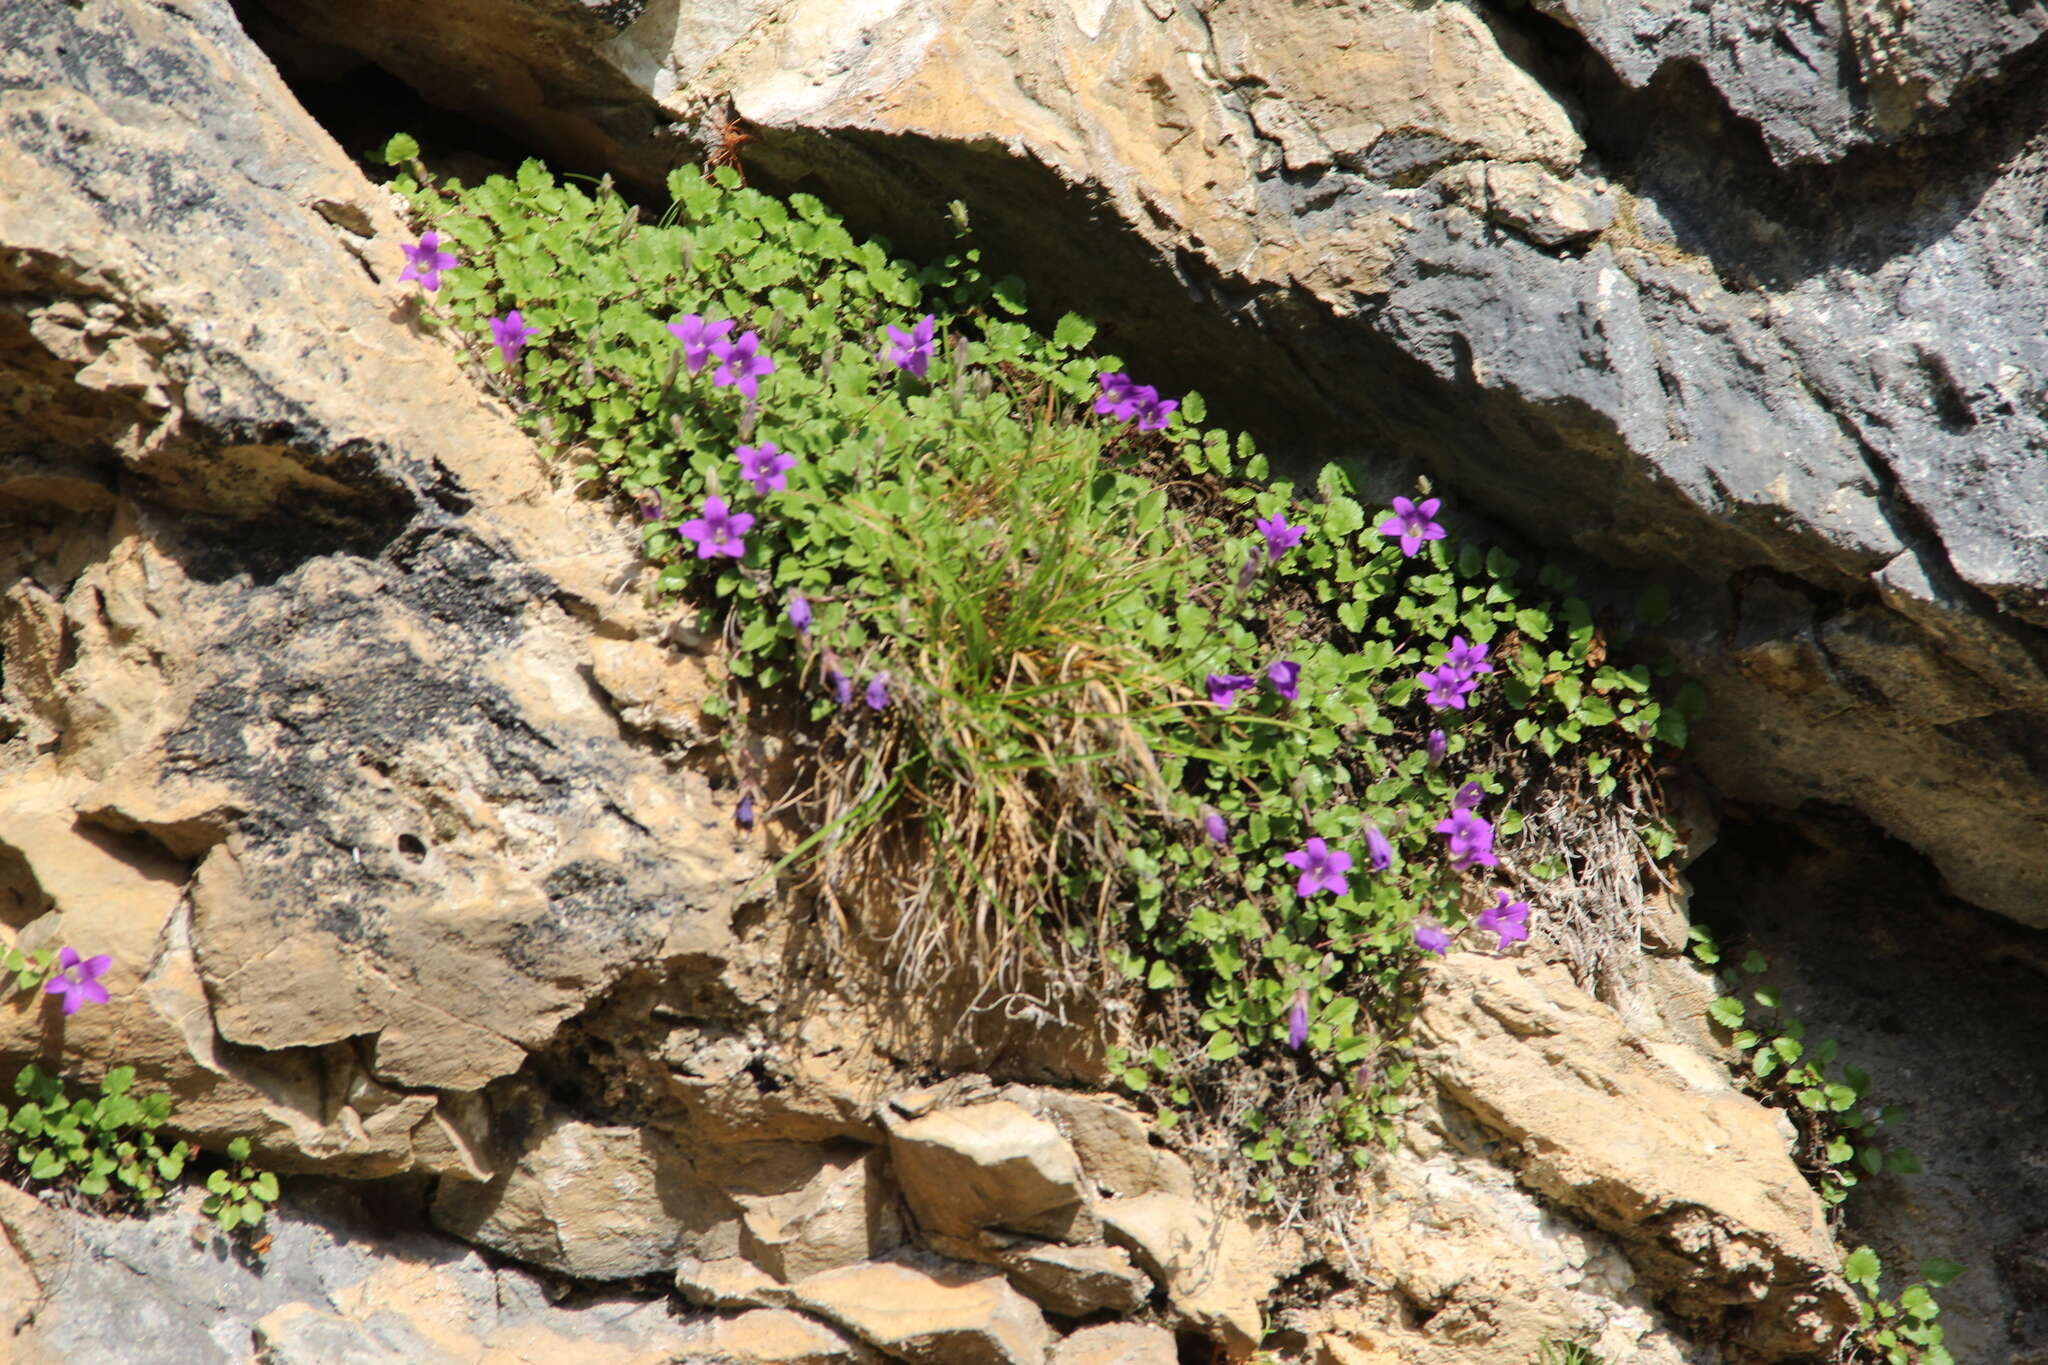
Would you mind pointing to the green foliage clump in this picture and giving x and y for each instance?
(237, 1192)
(1047, 591)
(103, 1146)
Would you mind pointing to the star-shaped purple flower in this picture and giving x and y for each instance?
(1224, 687)
(1470, 837)
(1280, 537)
(913, 350)
(741, 364)
(1431, 938)
(1322, 868)
(424, 261)
(1446, 687)
(1297, 1021)
(878, 691)
(1414, 523)
(766, 467)
(1468, 659)
(1379, 854)
(1510, 921)
(698, 336)
(510, 334)
(1115, 398)
(800, 613)
(1285, 675)
(718, 531)
(78, 981)
(1150, 409)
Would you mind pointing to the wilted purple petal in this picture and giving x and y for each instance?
(1297, 1021)
(1379, 853)
(800, 613)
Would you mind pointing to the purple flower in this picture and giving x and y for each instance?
(1150, 409)
(698, 336)
(425, 261)
(1224, 687)
(741, 364)
(1322, 868)
(1431, 938)
(1379, 854)
(652, 508)
(1285, 675)
(1437, 746)
(913, 350)
(1511, 922)
(1249, 573)
(1469, 796)
(1297, 1021)
(79, 981)
(745, 814)
(1414, 523)
(510, 333)
(1471, 839)
(718, 531)
(1468, 659)
(1115, 398)
(800, 613)
(878, 691)
(767, 467)
(841, 685)
(1446, 687)
(1217, 828)
(1280, 537)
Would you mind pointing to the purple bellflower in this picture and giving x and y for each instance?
(841, 685)
(913, 350)
(1414, 523)
(1115, 398)
(1280, 537)
(1322, 868)
(1285, 675)
(1471, 839)
(1446, 687)
(1439, 744)
(1297, 1021)
(1150, 409)
(1510, 921)
(800, 613)
(1379, 854)
(1216, 827)
(1469, 796)
(1468, 659)
(78, 981)
(765, 466)
(741, 364)
(424, 261)
(698, 336)
(1431, 938)
(510, 334)
(718, 531)
(1224, 687)
(878, 691)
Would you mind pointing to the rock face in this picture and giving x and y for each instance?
(1606, 268)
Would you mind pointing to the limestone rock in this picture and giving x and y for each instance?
(1214, 1272)
(776, 1336)
(600, 1203)
(1703, 1194)
(1073, 1281)
(843, 1215)
(1112, 1141)
(942, 1316)
(1116, 1343)
(990, 1166)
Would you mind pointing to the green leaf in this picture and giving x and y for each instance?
(400, 149)
(1074, 332)
(217, 1182)
(118, 1080)
(1899, 1161)
(1916, 1302)
(1008, 293)
(1223, 1046)
(1727, 1012)
(1861, 1267)
(238, 1149)
(1939, 1272)
(264, 1187)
